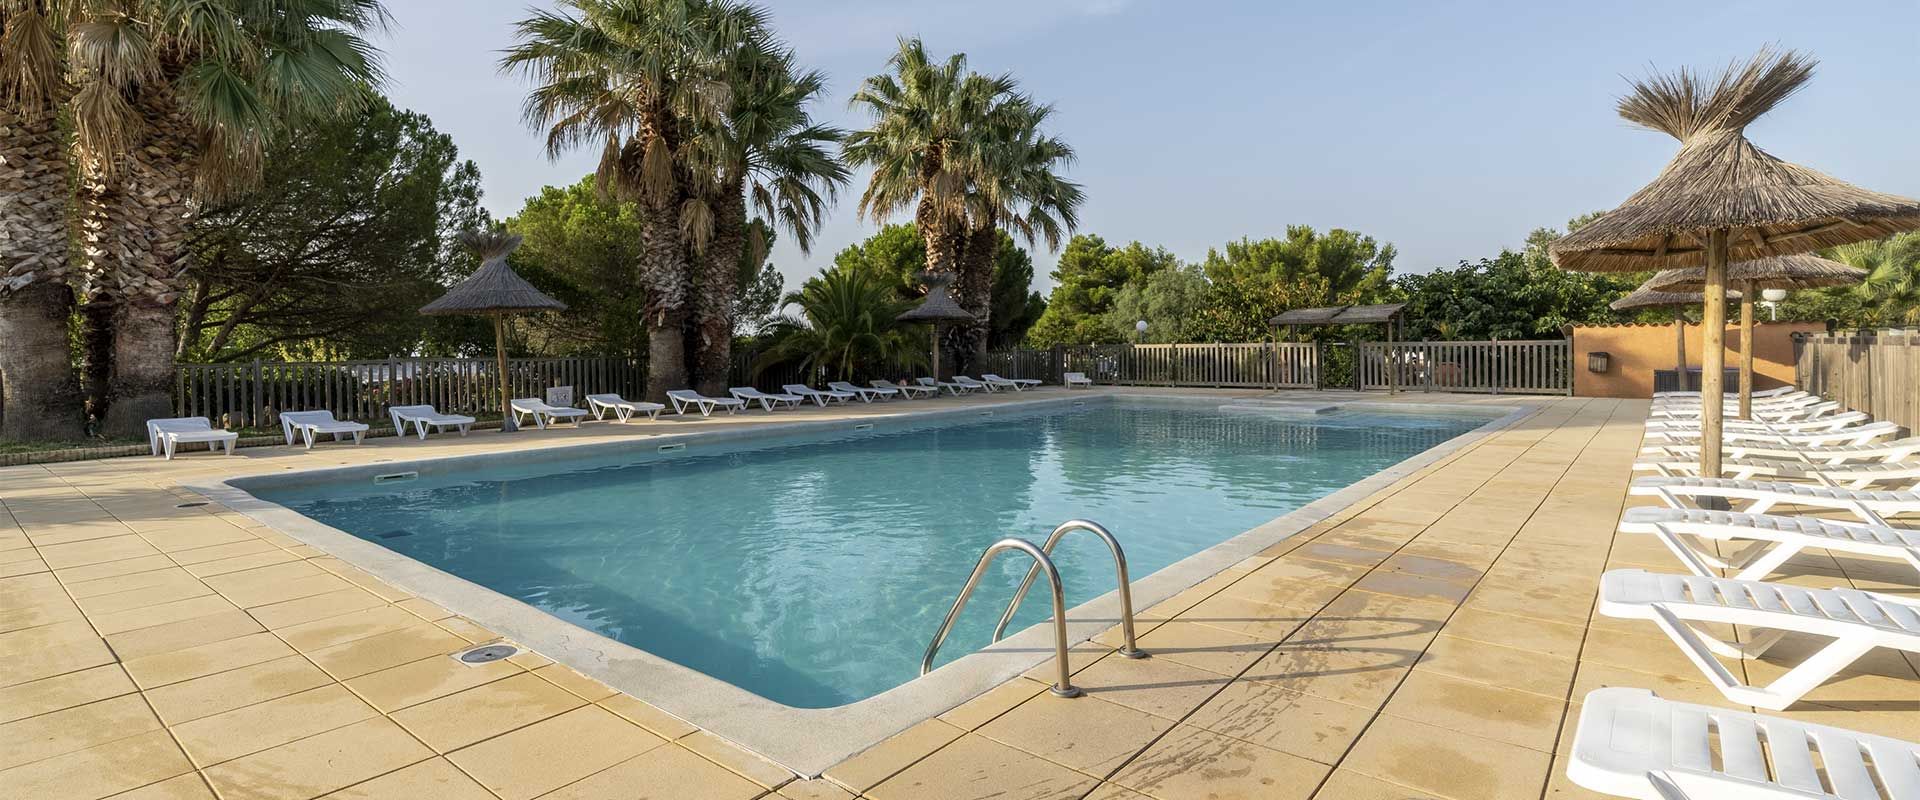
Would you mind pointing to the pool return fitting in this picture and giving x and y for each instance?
(1043, 562)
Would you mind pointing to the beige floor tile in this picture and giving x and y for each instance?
(1524, 670)
(1158, 687)
(417, 682)
(160, 614)
(1190, 762)
(77, 728)
(994, 702)
(177, 585)
(1288, 568)
(1206, 647)
(96, 551)
(1280, 588)
(108, 569)
(345, 628)
(1410, 585)
(374, 653)
(1084, 733)
(1341, 554)
(23, 566)
(1591, 675)
(668, 772)
(320, 606)
(1247, 617)
(977, 768)
(1490, 712)
(63, 691)
(433, 779)
(424, 610)
(1447, 763)
(310, 581)
(738, 760)
(116, 766)
(571, 680)
(212, 740)
(180, 665)
(554, 752)
(639, 712)
(1361, 676)
(1552, 604)
(460, 719)
(1349, 785)
(1301, 724)
(49, 650)
(895, 753)
(318, 764)
(821, 789)
(236, 688)
(182, 635)
(1525, 633)
(1114, 791)
(184, 787)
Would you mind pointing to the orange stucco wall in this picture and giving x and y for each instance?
(1638, 350)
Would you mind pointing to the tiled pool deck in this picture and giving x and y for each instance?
(1432, 641)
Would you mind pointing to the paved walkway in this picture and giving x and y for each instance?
(1432, 641)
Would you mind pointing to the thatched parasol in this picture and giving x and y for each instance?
(1777, 272)
(495, 291)
(1722, 199)
(938, 308)
(1648, 297)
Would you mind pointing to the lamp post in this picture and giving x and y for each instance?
(1772, 298)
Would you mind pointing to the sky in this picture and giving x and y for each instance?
(1450, 130)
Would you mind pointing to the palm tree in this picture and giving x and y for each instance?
(643, 78)
(39, 396)
(771, 154)
(175, 102)
(1892, 288)
(846, 322)
(1017, 187)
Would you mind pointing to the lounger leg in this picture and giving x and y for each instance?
(229, 443)
(1768, 561)
(169, 446)
(1787, 689)
(1695, 561)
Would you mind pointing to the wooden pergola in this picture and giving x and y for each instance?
(1387, 314)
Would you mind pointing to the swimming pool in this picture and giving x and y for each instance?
(812, 569)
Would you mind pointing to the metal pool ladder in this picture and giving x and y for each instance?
(1043, 562)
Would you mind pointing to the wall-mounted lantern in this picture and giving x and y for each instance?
(1597, 361)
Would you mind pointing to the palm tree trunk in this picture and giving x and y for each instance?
(719, 283)
(39, 395)
(975, 292)
(663, 268)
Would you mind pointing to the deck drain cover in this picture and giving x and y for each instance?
(196, 504)
(490, 653)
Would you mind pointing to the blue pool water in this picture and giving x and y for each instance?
(813, 571)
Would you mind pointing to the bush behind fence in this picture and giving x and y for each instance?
(1514, 367)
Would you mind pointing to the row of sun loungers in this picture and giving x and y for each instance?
(307, 427)
(1817, 460)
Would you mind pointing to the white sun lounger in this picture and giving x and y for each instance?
(424, 416)
(1856, 621)
(768, 402)
(819, 397)
(1864, 434)
(1781, 403)
(1018, 384)
(970, 383)
(622, 408)
(309, 425)
(1896, 450)
(165, 436)
(682, 399)
(1072, 379)
(1871, 506)
(1769, 539)
(1906, 474)
(1763, 414)
(1630, 743)
(865, 394)
(907, 390)
(1836, 422)
(1763, 394)
(544, 413)
(954, 388)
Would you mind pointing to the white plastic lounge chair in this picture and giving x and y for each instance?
(166, 435)
(1783, 414)
(1763, 394)
(1836, 422)
(1896, 450)
(1769, 539)
(1073, 379)
(1780, 403)
(309, 425)
(1904, 474)
(866, 394)
(1864, 434)
(544, 413)
(1630, 743)
(1871, 506)
(817, 396)
(622, 408)
(768, 402)
(970, 383)
(955, 388)
(682, 399)
(906, 390)
(424, 416)
(1018, 384)
(1856, 621)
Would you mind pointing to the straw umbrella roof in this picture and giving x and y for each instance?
(1778, 272)
(1645, 297)
(1339, 315)
(494, 288)
(939, 305)
(1721, 181)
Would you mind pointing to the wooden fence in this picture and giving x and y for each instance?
(1516, 367)
(1877, 373)
(252, 394)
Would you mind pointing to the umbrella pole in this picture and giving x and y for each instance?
(1746, 349)
(1713, 356)
(500, 363)
(1680, 348)
(936, 352)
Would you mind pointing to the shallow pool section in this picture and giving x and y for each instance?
(812, 570)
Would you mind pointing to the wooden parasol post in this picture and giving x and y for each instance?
(936, 352)
(500, 363)
(1713, 354)
(1746, 349)
(1680, 347)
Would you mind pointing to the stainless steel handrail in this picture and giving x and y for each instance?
(1064, 686)
(1120, 573)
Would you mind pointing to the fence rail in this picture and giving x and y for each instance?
(251, 394)
(1876, 373)
(1517, 367)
